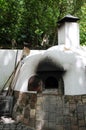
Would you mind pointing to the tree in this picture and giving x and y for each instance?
(83, 25)
(36, 21)
(8, 21)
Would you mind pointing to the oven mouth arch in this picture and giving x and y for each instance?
(51, 74)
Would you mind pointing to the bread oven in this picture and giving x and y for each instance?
(51, 75)
(61, 72)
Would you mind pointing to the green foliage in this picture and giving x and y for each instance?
(32, 20)
(8, 21)
(83, 25)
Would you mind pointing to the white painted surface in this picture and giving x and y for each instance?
(7, 64)
(73, 61)
(68, 34)
(61, 35)
(72, 34)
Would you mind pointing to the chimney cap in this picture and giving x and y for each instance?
(68, 18)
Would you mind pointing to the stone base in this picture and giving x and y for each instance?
(24, 108)
(49, 111)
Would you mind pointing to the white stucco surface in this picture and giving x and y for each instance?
(73, 61)
(7, 64)
(68, 34)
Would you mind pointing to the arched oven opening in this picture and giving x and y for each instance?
(51, 76)
(35, 84)
(51, 82)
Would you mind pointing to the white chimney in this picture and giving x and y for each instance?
(68, 32)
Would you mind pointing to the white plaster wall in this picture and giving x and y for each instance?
(73, 62)
(71, 34)
(68, 34)
(61, 35)
(7, 64)
(75, 79)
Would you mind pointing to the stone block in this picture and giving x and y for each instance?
(26, 121)
(39, 108)
(38, 125)
(85, 118)
(66, 120)
(74, 127)
(26, 111)
(46, 98)
(5, 128)
(22, 98)
(46, 106)
(81, 123)
(52, 108)
(72, 112)
(60, 103)
(82, 128)
(39, 100)
(78, 97)
(83, 96)
(32, 122)
(73, 105)
(59, 127)
(46, 115)
(74, 120)
(84, 107)
(67, 127)
(80, 116)
(80, 108)
(45, 125)
(66, 111)
(59, 98)
(59, 111)
(52, 117)
(84, 100)
(40, 115)
(65, 104)
(59, 120)
(32, 113)
(20, 118)
(52, 125)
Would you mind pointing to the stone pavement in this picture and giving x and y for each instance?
(14, 126)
